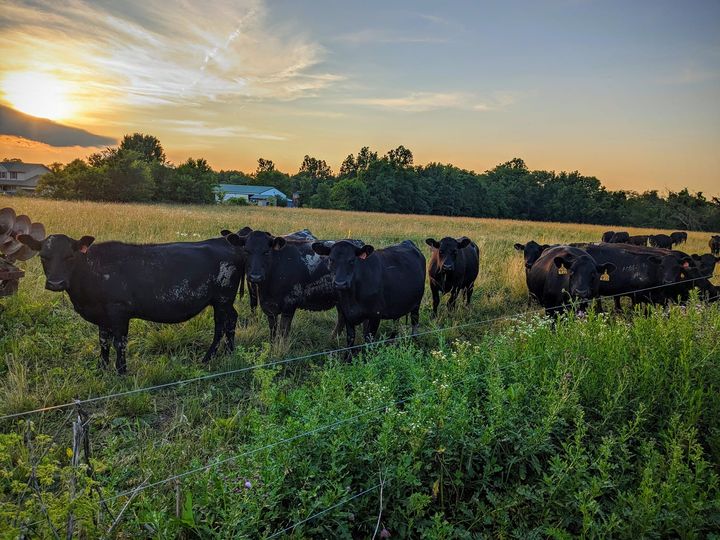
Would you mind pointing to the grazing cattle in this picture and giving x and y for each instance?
(373, 285)
(454, 266)
(286, 274)
(678, 237)
(662, 241)
(563, 274)
(641, 273)
(620, 238)
(607, 236)
(531, 252)
(638, 240)
(112, 282)
(714, 244)
(701, 272)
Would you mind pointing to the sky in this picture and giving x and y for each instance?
(628, 92)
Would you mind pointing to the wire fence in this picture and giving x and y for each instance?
(328, 352)
(333, 425)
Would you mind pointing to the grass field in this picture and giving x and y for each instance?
(602, 427)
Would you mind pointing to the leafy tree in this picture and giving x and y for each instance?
(147, 146)
(192, 182)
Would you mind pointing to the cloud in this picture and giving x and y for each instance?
(371, 35)
(203, 129)
(157, 52)
(430, 101)
(18, 124)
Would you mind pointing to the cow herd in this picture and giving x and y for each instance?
(621, 265)
(111, 283)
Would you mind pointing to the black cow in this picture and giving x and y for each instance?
(607, 236)
(701, 273)
(644, 274)
(638, 240)
(112, 282)
(563, 274)
(375, 284)
(287, 275)
(714, 244)
(531, 252)
(454, 266)
(662, 241)
(620, 238)
(678, 237)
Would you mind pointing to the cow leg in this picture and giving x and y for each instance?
(285, 323)
(371, 329)
(415, 319)
(453, 298)
(252, 291)
(349, 340)
(120, 336)
(435, 299)
(618, 305)
(219, 316)
(230, 324)
(468, 293)
(272, 322)
(105, 341)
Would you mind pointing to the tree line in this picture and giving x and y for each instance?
(138, 171)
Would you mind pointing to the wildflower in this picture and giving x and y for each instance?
(247, 484)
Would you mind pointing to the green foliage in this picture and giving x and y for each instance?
(601, 427)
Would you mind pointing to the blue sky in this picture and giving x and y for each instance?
(626, 91)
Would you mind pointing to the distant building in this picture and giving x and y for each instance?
(259, 195)
(19, 177)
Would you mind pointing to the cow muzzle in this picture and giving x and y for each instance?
(448, 267)
(55, 286)
(256, 278)
(341, 285)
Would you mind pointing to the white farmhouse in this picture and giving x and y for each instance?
(19, 177)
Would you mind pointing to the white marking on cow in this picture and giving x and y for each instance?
(225, 274)
(312, 261)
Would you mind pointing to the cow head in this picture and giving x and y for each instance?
(584, 274)
(706, 264)
(673, 268)
(257, 248)
(531, 252)
(446, 251)
(59, 255)
(607, 236)
(343, 257)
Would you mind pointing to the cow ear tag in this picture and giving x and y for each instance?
(562, 270)
(605, 276)
(682, 275)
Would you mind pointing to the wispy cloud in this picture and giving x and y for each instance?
(154, 52)
(17, 124)
(372, 35)
(429, 101)
(199, 128)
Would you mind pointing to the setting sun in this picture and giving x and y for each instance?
(37, 94)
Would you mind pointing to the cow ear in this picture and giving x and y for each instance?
(244, 231)
(544, 247)
(321, 248)
(225, 232)
(432, 243)
(561, 261)
(686, 261)
(235, 240)
(83, 244)
(277, 243)
(606, 267)
(29, 241)
(519, 247)
(696, 256)
(365, 251)
(465, 242)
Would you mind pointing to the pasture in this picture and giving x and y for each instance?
(606, 426)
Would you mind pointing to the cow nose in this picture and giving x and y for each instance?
(255, 278)
(55, 285)
(342, 285)
(583, 293)
(448, 267)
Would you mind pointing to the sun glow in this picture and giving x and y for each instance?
(37, 94)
